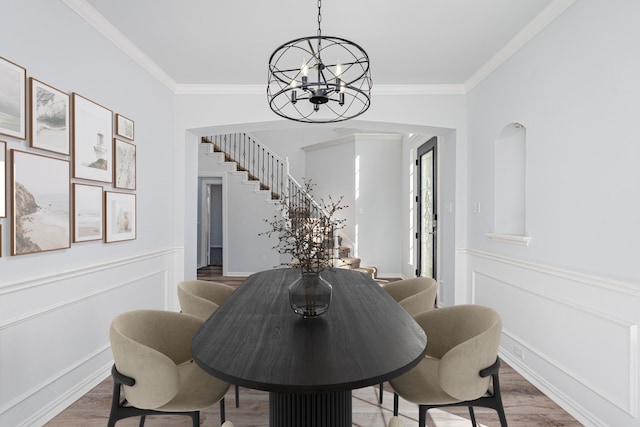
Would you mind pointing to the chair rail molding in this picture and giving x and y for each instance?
(558, 325)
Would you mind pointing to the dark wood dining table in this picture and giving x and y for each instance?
(308, 366)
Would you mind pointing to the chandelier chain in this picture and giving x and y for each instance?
(319, 17)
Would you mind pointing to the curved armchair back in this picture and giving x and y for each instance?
(414, 295)
(147, 346)
(201, 298)
(466, 339)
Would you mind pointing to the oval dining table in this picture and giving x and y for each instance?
(309, 366)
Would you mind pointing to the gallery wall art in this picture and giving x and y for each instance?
(124, 127)
(3, 177)
(87, 212)
(124, 165)
(49, 118)
(92, 140)
(40, 203)
(120, 216)
(13, 89)
(51, 199)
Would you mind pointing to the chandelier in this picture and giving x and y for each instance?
(319, 79)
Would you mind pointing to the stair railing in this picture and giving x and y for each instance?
(262, 165)
(254, 158)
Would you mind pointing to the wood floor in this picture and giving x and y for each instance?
(525, 406)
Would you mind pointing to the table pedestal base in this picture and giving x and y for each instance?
(330, 409)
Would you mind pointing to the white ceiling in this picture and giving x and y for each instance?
(409, 42)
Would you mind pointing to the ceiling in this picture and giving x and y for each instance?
(409, 42)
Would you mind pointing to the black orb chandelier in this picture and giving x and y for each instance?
(304, 87)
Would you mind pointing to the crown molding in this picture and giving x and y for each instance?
(544, 18)
(100, 23)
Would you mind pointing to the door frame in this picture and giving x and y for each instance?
(430, 145)
(203, 226)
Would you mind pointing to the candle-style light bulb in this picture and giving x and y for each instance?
(305, 70)
(294, 94)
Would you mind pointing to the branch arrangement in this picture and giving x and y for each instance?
(306, 230)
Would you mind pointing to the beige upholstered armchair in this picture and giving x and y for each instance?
(201, 298)
(415, 296)
(154, 371)
(460, 365)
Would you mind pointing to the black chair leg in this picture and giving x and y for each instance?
(473, 417)
(195, 417)
(422, 416)
(142, 420)
(380, 397)
(237, 396)
(222, 412)
(395, 404)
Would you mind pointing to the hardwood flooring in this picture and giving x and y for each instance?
(525, 405)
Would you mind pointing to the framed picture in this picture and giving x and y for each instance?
(92, 140)
(3, 177)
(87, 213)
(49, 118)
(13, 99)
(40, 203)
(124, 164)
(120, 216)
(124, 127)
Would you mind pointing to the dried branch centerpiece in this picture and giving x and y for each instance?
(307, 231)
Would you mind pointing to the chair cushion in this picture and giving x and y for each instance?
(421, 386)
(197, 390)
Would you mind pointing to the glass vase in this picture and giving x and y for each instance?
(310, 295)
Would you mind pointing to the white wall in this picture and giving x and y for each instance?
(570, 300)
(56, 307)
(244, 209)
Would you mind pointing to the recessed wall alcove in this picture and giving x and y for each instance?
(510, 160)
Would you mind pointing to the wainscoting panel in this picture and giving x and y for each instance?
(54, 335)
(573, 335)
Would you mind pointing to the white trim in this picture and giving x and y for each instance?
(510, 238)
(95, 268)
(615, 285)
(544, 18)
(55, 407)
(100, 23)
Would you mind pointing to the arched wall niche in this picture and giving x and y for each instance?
(510, 151)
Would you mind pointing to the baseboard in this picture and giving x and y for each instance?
(58, 405)
(566, 403)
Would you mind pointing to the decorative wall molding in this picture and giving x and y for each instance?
(616, 285)
(20, 285)
(563, 303)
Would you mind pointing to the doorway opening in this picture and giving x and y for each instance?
(210, 223)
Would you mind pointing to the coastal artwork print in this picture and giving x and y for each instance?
(49, 118)
(120, 216)
(124, 164)
(87, 212)
(3, 175)
(41, 203)
(13, 87)
(124, 127)
(92, 140)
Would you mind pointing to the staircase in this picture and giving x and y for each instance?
(272, 174)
